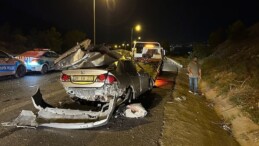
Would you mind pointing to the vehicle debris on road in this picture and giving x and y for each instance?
(135, 110)
(49, 116)
(180, 98)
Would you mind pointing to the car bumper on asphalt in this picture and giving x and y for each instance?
(49, 116)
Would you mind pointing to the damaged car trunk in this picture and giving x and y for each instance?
(89, 74)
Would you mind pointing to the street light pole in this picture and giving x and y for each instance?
(137, 28)
(94, 19)
(131, 37)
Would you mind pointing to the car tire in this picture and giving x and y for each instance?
(44, 69)
(20, 71)
(151, 84)
(129, 95)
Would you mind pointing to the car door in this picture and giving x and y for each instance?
(131, 70)
(7, 64)
(144, 78)
(48, 58)
(53, 57)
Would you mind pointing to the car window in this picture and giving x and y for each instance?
(130, 68)
(139, 48)
(47, 54)
(53, 54)
(120, 67)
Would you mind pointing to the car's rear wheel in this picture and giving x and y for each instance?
(44, 69)
(129, 95)
(20, 71)
(151, 84)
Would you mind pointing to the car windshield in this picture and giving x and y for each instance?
(33, 53)
(141, 45)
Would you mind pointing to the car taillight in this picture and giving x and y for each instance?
(109, 79)
(65, 78)
(102, 77)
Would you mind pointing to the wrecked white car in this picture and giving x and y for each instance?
(102, 74)
(90, 74)
(119, 80)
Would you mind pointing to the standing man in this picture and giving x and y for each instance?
(194, 72)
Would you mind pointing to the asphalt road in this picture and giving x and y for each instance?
(15, 96)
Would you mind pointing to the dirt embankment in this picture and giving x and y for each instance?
(230, 81)
(243, 128)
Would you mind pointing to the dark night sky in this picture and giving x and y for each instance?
(173, 20)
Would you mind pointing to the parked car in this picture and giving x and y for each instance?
(11, 66)
(122, 80)
(41, 60)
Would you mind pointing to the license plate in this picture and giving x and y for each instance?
(84, 78)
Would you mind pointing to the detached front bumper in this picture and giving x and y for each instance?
(49, 116)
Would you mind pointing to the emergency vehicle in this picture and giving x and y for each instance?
(11, 66)
(40, 60)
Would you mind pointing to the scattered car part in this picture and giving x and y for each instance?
(135, 110)
(48, 116)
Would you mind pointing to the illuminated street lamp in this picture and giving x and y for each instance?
(137, 29)
(139, 38)
(124, 46)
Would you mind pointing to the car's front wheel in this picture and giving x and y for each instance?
(20, 72)
(44, 69)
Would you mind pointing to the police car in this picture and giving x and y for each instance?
(11, 66)
(40, 60)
